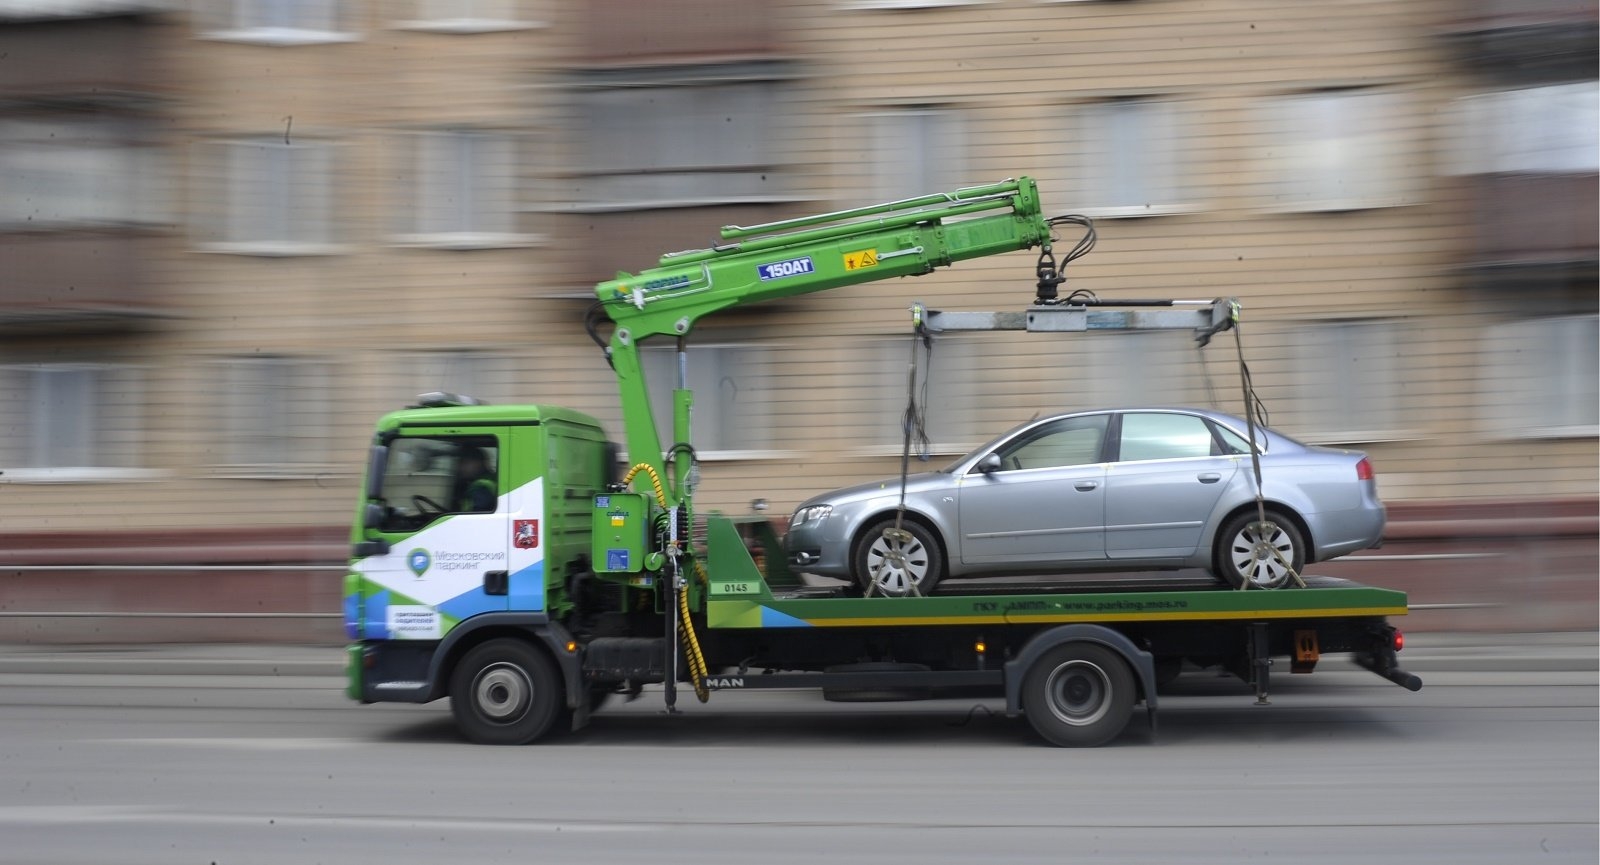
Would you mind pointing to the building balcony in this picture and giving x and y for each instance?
(76, 282)
(1520, 41)
(82, 62)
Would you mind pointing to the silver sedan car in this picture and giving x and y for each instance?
(1125, 489)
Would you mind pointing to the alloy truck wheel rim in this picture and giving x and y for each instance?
(1078, 693)
(1252, 554)
(897, 567)
(502, 693)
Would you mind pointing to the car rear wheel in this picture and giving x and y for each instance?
(891, 563)
(1256, 553)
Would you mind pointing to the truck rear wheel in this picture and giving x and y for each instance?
(1078, 695)
(505, 692)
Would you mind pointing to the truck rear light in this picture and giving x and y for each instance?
(1364, 470)
(1398, 641)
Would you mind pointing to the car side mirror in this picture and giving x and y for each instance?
(989, 464)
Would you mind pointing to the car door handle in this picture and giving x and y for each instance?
(1209, 477)
(1086, 486)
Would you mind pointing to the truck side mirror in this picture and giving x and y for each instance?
(377, 463)
(989, 464)
(372, 515)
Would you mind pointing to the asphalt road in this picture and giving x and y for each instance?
(199, 762)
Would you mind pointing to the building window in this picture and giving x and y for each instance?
(276, 416)
(265, 197)
(1126, 158)
(70, 422)
(916, 151)
(694, 136)
(276, 22)
(79, 171)
(1540, 378)
(462, 190)
(484, 375)
(1351, 381)
(949, 393)
(732, 398)
(1536, 130)
(1339, 150)
(1157, 368)
(471, 16)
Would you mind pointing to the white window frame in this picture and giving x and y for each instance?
(466, 17)
(1348, 375)
(1531, 362)
(871, 5)
(129, 389)
(239, 21)
(659, 362)
(1103, 156)
(916, 150)
(1338, 150)
(456, 168)
(293, 184)
(302, 421)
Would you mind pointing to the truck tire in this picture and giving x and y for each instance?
(505, 692)
(1234, 562)
(895, 565)
(1078, 695)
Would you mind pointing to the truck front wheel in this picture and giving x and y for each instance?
(1078, 695)
(505, 692)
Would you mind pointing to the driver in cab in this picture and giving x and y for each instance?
(474, 489)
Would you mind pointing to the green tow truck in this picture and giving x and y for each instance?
(503, 557)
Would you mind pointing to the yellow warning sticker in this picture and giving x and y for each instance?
(861, 259)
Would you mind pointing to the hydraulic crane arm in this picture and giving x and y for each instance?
(800, 256)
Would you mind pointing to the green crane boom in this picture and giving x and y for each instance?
(793, 257)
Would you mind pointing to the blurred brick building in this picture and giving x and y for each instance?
(236, 231)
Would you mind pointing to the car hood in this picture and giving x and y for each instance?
(886, 487)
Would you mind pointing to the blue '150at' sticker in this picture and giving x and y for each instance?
(781, 269)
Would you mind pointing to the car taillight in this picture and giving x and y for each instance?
(1364, 470)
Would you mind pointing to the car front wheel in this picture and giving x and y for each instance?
(892, 562)
(1249, 551)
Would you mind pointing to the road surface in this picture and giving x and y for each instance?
(199, 763)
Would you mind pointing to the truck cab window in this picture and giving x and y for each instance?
(430, 476)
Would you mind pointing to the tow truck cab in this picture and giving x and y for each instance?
(468, 510)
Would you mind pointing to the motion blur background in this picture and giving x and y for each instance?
(234, 232)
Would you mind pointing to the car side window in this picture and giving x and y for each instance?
(1073, 441)
(1151, 436)
(1233, 443)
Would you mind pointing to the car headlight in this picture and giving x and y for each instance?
(806, 515)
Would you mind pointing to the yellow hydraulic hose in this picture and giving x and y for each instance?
(691, 641)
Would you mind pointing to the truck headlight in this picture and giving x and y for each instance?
(806, 515)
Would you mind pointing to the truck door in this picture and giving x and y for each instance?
(447, 523)
(1044, 502)
(1168, 476)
